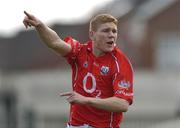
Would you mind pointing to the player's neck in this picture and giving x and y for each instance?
(97, 52)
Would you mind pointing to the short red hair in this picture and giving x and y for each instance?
(101, 19)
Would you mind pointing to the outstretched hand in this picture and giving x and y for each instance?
(74, 97)
(30, 20)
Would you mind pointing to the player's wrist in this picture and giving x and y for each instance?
(39, 25)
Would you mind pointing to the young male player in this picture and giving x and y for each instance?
(102, 76)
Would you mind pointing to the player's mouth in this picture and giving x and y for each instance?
(110, 42)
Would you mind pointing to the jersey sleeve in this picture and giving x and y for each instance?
(123, 81)
(75, 48)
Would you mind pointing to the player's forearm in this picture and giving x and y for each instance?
(47, 35)
(52, 40)
(112, 104)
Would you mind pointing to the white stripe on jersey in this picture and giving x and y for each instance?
(110, 125)
(76, 73)
(117, 64)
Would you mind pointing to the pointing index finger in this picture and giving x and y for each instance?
(27, 14)
(66, 94)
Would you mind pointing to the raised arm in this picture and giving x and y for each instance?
(48, 36)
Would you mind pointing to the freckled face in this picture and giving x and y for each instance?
(104, 38)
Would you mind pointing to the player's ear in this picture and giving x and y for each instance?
(91, 35)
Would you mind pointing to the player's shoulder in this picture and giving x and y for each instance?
(123, 61)
(70, 39)
(121, 57)
(119, 54)
(74, 43)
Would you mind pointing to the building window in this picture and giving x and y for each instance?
(167, 51)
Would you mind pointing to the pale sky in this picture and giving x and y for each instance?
(49, 11)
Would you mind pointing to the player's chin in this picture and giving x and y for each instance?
(108, 49)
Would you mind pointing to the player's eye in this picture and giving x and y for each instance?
(105, 30)
(114, 31)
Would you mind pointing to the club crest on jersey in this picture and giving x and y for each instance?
(104, 70)
(124, 84)
(85, 64)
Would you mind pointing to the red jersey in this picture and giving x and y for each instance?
(99, 77)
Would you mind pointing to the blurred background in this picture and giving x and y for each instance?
(32, 75)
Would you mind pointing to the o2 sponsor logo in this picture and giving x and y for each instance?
(93, 87)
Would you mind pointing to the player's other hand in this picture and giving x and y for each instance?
(30, 20)
(74, 97)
